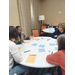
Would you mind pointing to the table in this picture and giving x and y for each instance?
(49, 30)
(40, 61)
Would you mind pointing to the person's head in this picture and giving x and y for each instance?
(61, 42)
(61, 27)
(19, 29)
(12, 33)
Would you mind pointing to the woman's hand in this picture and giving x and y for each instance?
(22, 41)
(31, 37)
(55, 35)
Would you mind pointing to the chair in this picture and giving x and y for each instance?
(43, 27)
(35, 33)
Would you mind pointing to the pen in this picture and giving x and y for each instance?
(26, 51)
(48, 39)
(52, 52)
(41, 38)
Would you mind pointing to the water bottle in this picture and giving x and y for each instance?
(51, 25)
(48, 26)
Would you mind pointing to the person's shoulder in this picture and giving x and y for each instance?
(56, 30)
(11, 44)
(61, 51)
(23, 33)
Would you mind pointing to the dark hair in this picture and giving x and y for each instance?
(61, 42)
(17, 27)
(13, 32)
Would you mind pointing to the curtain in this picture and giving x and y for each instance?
(28, 14)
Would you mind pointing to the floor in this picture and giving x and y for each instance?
(43, 71)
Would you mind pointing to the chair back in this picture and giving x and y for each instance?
(43, 27)
(35, 33)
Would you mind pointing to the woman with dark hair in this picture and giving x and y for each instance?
(58, 58)
(21, 36)
(14, 54)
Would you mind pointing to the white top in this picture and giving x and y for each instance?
(49, 30)
(14, 54)
(40, 61)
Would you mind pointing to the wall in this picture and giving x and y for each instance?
(51, 8)
(23, 18)
(13, 13)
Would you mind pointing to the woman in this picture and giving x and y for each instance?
(21, 36)
(14, 54)
(59, 31)
(58, 58)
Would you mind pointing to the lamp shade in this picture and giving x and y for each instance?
(41, 17)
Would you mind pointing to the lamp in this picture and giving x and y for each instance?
(41, 17)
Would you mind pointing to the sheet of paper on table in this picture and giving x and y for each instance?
(56, 48)
(31, 58)
(36, 39)
(34, 44)
(41, 50)
(41, 45)
(27, 42)
(19, 48)
(52, 44)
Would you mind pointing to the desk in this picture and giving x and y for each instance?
(49, 30)
(40, 61)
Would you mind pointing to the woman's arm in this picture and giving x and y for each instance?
(54, 35)
(19, 42)
(53, 58)
(23, 36)
(16, 54)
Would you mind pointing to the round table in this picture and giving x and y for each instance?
(40, 61)
(49, 30)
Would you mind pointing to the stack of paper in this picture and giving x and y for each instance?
(19, 48)
(41, 45)
(34, 44)
(41, 50)
(27, 42)
(52, 44)
(36, 39)
(31, 58)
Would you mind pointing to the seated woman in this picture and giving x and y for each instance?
(15, 55)
(21, 36)
(58, 58)
(59, 31)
